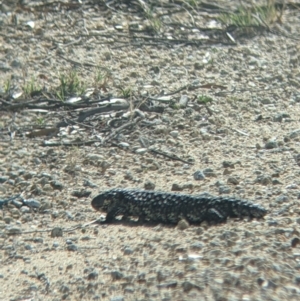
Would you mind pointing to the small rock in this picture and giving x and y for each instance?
(263, 180)
(260, 281)
(38, 240)
(14, 230)
(64, 289)
(174, 134)
(22, 153)
(199, 231)
(13, 174)
(271, 144)
(161, 129)
(92, 276)
(89, 183)
(45, 206)
(276, 182)
(199, 66)
(292, 186)
(11, 182)
(17, 204)
(199, 175)
(233, 180)
(116, 275)
(28, 247)
(124, 144)
(282, 199)
(94, 158)
(25, 209)
(141, 277)
(128, 176)
(129, 290)
(3, 179)
(183, 224)
(57, 185)
(69, 215)
(294, 134)
(265, 101)
(141, 151)
(297, 279)
(183, 101)
(205, 136)
(296, 97)
(72, 247)
(15, 63)
(23, 183)
(187, 286)
(223, 189)
(176, 187)
(43, 181)
(278, 118)
(117, 298)
(45, 175)
(160, 276)
(82, 193)
(295, 241)
(15, 212)
(3, 203)
(188, 185)
(219, 183)
(47, 187)
(171, 284)
(228, 164)
(37, 161)
(55, 244)
(148, 185)
(7, 220)
(197, 245)
(32, 203)
(57, 232)
(227, 171)
(208, 172)
(127, 251)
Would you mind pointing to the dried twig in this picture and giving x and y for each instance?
(103, 109)
(170, 156)
(71, 143)
(122, 128)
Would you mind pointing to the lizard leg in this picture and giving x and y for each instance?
(112, 213)
(215, 215)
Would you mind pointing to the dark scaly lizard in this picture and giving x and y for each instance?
(172, 207)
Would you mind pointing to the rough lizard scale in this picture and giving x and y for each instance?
(171, 207)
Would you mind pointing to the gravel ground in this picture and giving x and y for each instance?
(244, 142)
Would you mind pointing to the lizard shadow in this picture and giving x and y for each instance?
(133, 223)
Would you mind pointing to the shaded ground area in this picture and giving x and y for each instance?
(169, 95)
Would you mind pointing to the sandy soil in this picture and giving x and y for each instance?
(245, 140)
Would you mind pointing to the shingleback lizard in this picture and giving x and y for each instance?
(172, 207)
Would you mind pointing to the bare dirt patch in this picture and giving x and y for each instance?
(141, 94)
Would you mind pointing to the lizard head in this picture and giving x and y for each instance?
(105, 200)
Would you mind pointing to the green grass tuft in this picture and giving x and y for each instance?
(253, 16)
(31, 87)
(7, 86)
(70, 84)
(126, 92)
(204, 99)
